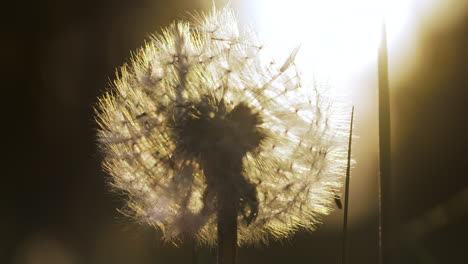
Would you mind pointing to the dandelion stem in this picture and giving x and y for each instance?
(194, 250)
(227, 231)
(345, 213)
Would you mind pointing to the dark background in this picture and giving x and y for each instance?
(55, 207)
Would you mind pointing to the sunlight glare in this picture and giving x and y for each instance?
(337, 38)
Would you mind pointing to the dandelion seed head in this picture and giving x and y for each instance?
(198, 112)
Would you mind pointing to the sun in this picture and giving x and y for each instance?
(337, 38)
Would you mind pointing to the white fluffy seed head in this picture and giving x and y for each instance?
(290, 173)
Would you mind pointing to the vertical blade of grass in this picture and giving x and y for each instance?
(384, 152)
(344, 248)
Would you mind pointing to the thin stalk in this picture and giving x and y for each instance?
(227, 231)
(385, 187)
(220, 169)
(190, 244)
(344, 247)
(194, 252)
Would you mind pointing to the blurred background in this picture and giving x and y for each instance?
(59, 56)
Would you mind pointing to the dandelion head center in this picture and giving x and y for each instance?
(208, 127)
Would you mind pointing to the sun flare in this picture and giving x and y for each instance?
(337, 38)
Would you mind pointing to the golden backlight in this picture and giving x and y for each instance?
(339, 42)
(337, 38)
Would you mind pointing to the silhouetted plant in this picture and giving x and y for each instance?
(207, 137)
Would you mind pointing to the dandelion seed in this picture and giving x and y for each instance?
(198, 121)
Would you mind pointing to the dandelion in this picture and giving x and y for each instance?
(202, 133)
